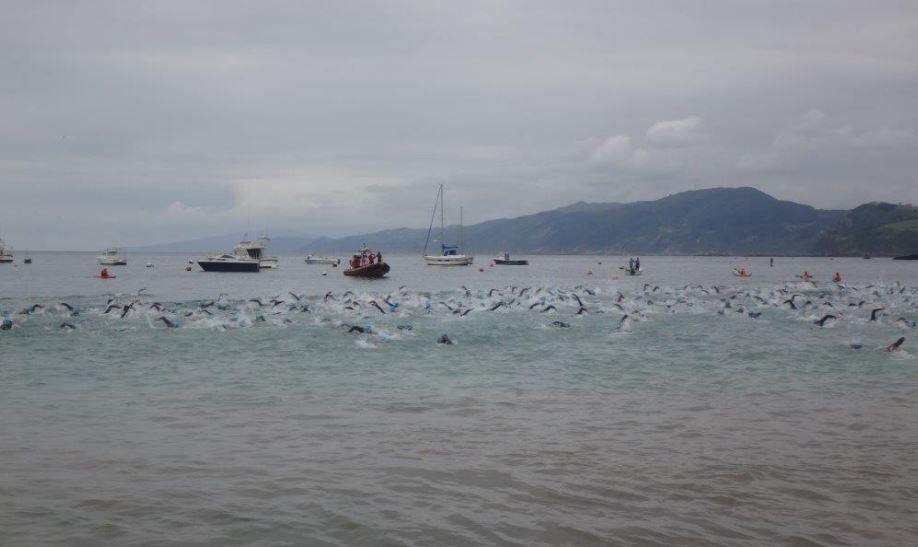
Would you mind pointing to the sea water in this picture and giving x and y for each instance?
(258, 418)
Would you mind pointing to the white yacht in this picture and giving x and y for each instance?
(229, 263)
(322, 260)
(255, 250)
(111, 258)
(6, 255)
(450, 255)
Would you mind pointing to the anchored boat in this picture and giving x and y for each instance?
(229, 263)
(5, 255)
(450, 255)
(255, 250)
(322, 260)
(507, 261)
(247, 256)
(110, 257)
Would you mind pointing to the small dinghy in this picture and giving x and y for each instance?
(741, 272)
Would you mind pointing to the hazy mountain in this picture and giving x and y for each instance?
(881, 229)
(714, 221)
(718, 221)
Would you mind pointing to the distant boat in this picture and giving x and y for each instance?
(866, 257)
(110, 257)
(507, 261)
(449, 254)
(631, 271)
(322, 260)
(230, 263)
(906, 257)
(6, 256)
(741, 272)
(255, 250)
(247, 257)
(28, 260)
(367, 264)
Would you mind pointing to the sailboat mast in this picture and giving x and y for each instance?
(461, 233)
(442, 224)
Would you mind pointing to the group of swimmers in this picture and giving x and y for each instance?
(837, 278)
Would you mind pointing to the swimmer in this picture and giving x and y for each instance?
(166, 322)
(444, 339)
(825, 318)
(895, 345)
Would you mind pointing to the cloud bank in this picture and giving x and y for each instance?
(126, 124)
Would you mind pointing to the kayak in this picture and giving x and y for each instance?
(738, 273)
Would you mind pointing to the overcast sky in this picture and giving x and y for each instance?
(127, 123)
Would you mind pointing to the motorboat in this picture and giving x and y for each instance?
(255, 250)
(269, 262)
(310, 259)
(367, 264)
(111, 257)
(6, 255)
(27, 260)
(229, 263)
(450, 255)
(507, 261)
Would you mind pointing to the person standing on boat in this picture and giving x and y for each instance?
(631, 264)
(379, 258)
(637, 263)
(771, 262)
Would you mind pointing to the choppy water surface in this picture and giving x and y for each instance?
(257, 418)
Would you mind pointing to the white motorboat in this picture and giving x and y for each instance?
(229, 263)
(6, 255)
(450, 255)
(111, 258)
(322, 260)
(255, 250)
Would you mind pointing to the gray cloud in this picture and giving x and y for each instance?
(125, 123)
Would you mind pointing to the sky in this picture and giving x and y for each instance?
(130, 123)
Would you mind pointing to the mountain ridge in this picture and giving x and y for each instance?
(713, 221)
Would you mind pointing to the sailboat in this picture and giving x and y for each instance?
(450, 255)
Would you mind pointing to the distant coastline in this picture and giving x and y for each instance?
(711, 222)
